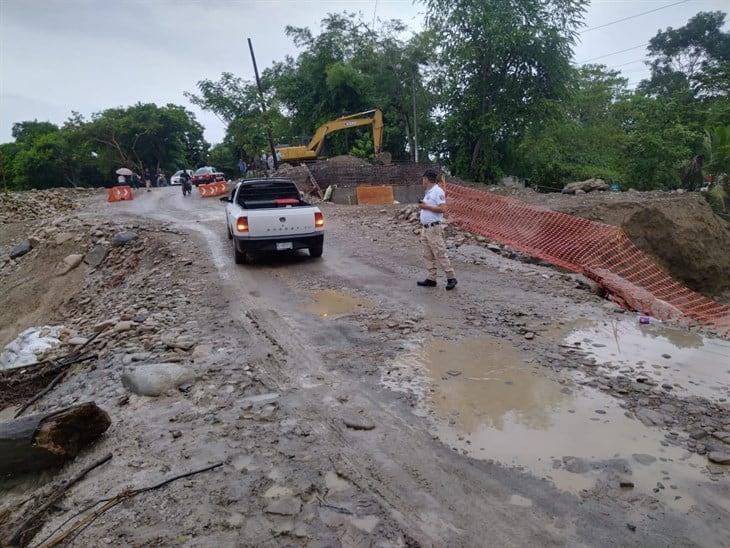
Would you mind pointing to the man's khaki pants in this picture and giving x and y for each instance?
(434, 251)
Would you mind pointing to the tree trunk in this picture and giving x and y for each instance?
(48, 439)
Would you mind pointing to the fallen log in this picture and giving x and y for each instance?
(49, 439)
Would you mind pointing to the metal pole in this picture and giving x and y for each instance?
(263, 105)
(415, 124)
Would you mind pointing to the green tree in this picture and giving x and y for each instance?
(499, 65)
(693, 60)
(146, 136)
(581, 136)
(25, 133)
(236, 102)
(350, 67)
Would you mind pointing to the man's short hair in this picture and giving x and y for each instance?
(430, 174)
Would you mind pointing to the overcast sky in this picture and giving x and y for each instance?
(88, 55)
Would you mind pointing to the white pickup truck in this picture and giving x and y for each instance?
(270, 215)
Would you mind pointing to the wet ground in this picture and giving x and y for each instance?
(490, 401)
(395, 415)
(679, 360)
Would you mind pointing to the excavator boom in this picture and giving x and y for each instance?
(311, 151)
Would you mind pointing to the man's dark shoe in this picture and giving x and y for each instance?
(451, 283)
(427, 283)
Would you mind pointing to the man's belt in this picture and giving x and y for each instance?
(429, 225)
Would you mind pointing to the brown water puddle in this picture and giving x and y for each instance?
(331, 302)
(489, 402)
(691, 363)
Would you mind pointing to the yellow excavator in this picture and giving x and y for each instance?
(311, 151)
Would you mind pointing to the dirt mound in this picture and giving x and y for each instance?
(346, 161)
(22, 206)
(298, 174)
(678, 229)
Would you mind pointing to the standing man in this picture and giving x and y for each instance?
(433, 207)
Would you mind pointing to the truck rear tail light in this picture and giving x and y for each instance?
(318, 220)
(242, 224)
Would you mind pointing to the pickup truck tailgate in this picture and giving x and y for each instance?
(281, 221)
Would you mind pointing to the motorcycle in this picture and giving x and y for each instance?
(187, 187)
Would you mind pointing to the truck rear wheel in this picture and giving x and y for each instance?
(316, 251)
(239, 256)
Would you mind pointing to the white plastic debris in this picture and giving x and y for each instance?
(29, 346)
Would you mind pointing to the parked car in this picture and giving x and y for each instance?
(270, 215)
(207, 174)
(175, 179)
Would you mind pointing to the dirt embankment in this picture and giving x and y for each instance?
(678, 229)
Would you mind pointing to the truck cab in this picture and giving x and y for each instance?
(270, 215)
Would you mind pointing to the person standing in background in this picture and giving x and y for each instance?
(432, 208)
(147, 179)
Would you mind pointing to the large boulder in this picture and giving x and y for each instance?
(588, 185)
(153, 379)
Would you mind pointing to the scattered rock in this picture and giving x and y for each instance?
(631, 527)
(650, 417)
(581, 187)
(21, 249)
(96, 256)
(103, 326)
(626, 484)
(153, 379)
(529, 335)
(68, 264)
(666, 356)
(124, 325)
(719, 457)
(77, 341)
(453, 372)
(62, 238)
(123, 238)
(358, 422)
(643, 458)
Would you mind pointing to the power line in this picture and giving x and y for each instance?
(612, 53)
(633, 16)
(630, 62)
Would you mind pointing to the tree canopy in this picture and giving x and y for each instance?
(143, 136)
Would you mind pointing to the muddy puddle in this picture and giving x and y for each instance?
(674, 359)
(330, 302)
(488, 401)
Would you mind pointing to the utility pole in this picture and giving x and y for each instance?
(263, 105)
(415, 124)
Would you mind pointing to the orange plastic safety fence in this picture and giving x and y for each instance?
(212, 189)
(119, 193)
(601, 252)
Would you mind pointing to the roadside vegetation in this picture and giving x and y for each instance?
(495, 89)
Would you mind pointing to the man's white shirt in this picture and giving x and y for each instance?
(433, 197)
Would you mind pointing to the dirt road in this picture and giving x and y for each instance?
(352, 408)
